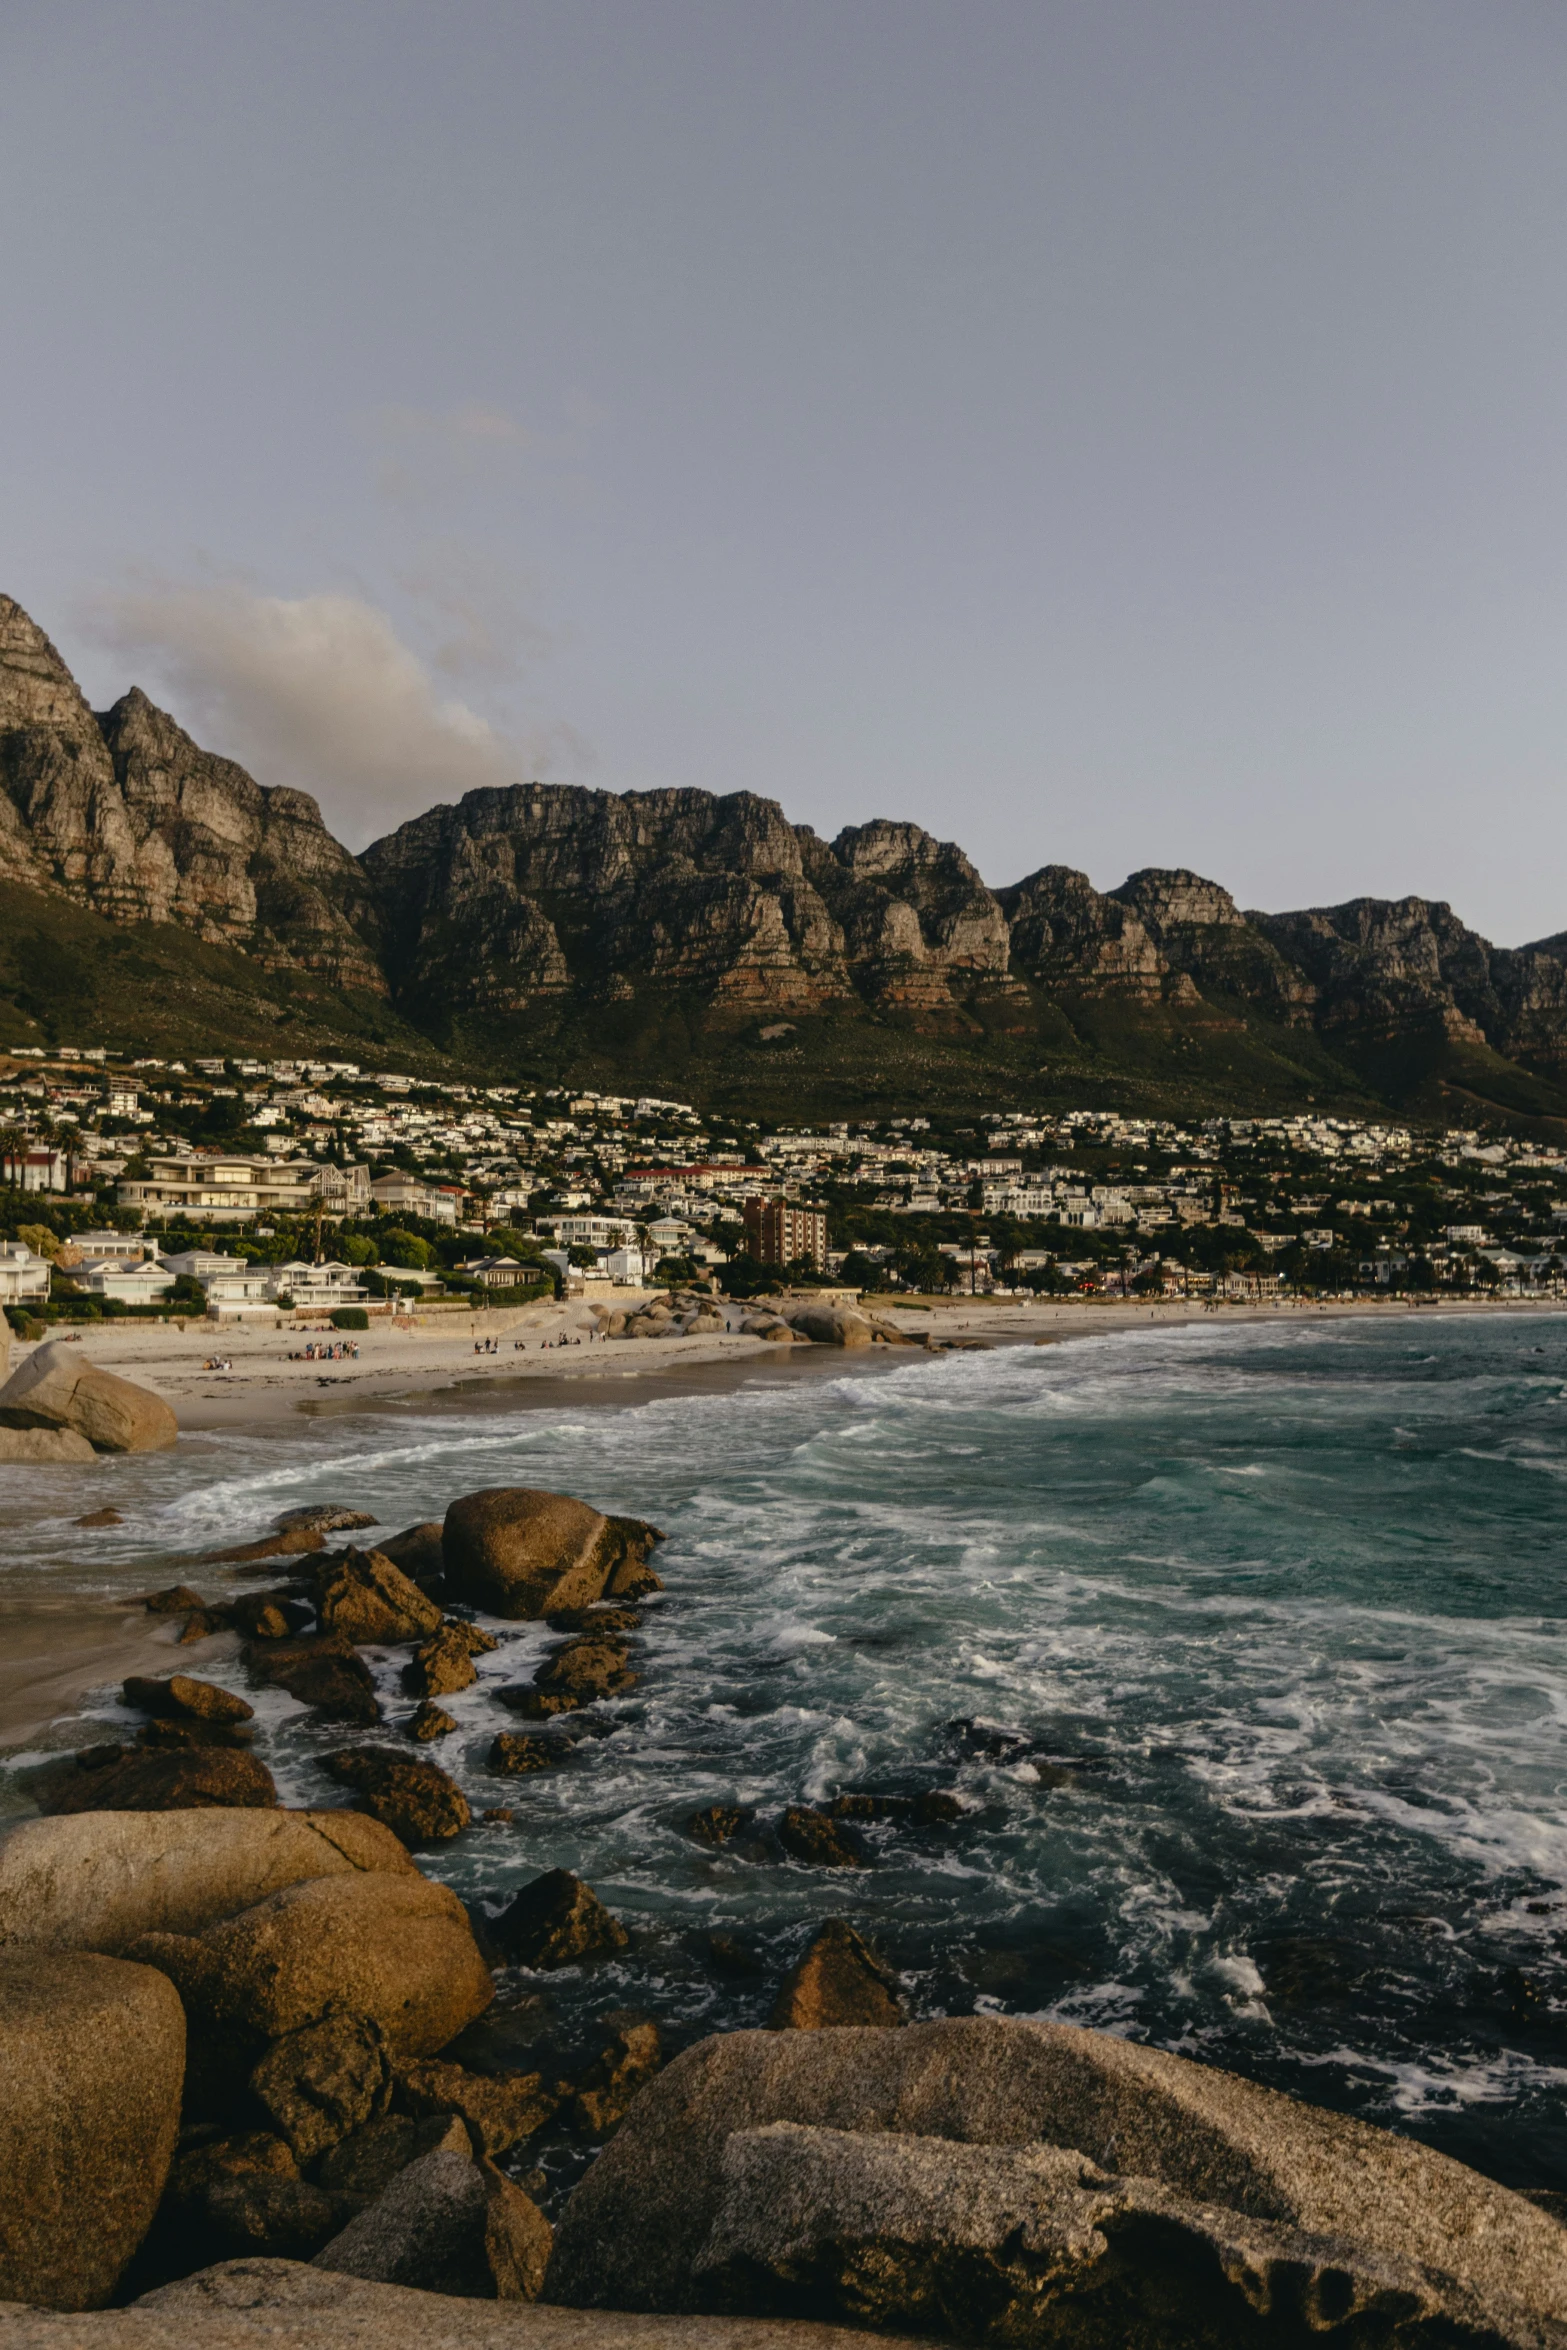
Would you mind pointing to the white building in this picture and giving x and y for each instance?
(133, 1284)
(224, 1187)
(316, 1288)
(624, 1266)
(24, 1278)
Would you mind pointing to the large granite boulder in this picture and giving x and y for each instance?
(95, 1880)
(647, 2227)
(826, 1325)
(889, 2231)
(449, 2223)
(92, 2059)
(56, 1387)
(393, 1949)
(122, 1778)
(517, 1551)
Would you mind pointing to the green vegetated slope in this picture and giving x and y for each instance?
(67, 976)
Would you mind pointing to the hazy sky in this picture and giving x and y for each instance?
(1113, 432)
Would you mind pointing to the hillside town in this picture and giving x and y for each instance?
(243, 1189)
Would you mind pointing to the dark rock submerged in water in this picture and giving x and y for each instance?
(555, 1921)
(1104, 2193)
(321, 1669)
(413, 1797)
(840, 1982)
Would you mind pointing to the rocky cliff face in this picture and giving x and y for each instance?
(542, 899)
(124, 813)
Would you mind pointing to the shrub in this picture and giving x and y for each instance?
(350, 1318)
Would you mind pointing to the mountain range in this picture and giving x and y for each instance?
(702, 943)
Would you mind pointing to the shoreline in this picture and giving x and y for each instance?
(399, 1365)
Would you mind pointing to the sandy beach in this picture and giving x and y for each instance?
(434, 1355)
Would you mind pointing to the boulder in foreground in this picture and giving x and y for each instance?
(517, 1551)
(58, 1388)
(396, 1950)
(448, 2224)
(92, 2060)
(636, 2233)
(95, 1880)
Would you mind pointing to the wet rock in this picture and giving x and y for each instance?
(323, 2081)
(430, 1722)
(840, 1982)
(178, 1600)
(365, 1597)
(728, 1955)
(291, 1542)
(326, 1517)
(265, 1615)
(557, 1921)
(417, 1551)
(201, 1624)
(322, 1671)
(518, 1551)
(598, 1622)
(180, 1696)
(414, 1798)
(97, 1518)
(501, 2110)
(499, 1815)
(164, 1733)
(95, 1881)
(936, 1808)
(814, 1837)
(440, 1667)
(516, 1754)
(871, 1807)
(637, 2228)
(577, 1675)
(185, 1779)
(396, 1950)
(628, 2061)
(43, 1448)
(448, 2224)
(57, 1388)
(92, 2056)
(715, 1826)
(474, 1638)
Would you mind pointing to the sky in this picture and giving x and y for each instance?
(1105, 432)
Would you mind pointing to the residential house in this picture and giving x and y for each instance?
(223, 1186)
(24, 1277)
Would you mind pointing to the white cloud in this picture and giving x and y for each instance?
(319, 692)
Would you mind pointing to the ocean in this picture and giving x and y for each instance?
(1242, 1645)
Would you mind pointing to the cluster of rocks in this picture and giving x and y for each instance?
(56, 1406)
(678, 1313)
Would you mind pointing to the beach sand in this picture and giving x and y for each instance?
(405, 1360)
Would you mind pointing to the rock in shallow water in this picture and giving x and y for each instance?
(57, 1388)
(520, 1552)
(839, 1983)
(363, 1596)
(412, 1797)
(556, 1921)
(185, 1779)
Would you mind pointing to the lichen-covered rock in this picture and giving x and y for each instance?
(126, 1779)
(92, 2060)
(58, 1388)
(322, 1671)
(411, 1796)
(327, 2079)
(429, 1722)
(441, 1666)
(555, 1922)
(184, 1698)
(513, 1752)
(365, 1597)
(95, 1880)
(636, 2232)
(840, 1982)
(628, 2060)
(518, 1551)
(501, 2109)
(573, 1677)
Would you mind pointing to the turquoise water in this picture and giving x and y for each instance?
(1276, 1616)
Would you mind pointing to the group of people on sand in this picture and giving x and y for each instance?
(218, 1363)
(341, 1350)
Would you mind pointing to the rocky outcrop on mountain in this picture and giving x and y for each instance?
(124, 813)
(559, 905)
